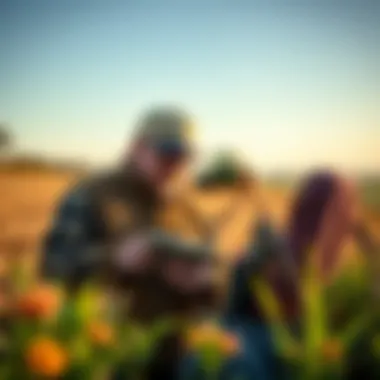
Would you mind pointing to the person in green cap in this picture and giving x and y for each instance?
(100, 209)
(107, 223)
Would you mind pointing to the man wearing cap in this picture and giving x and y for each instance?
(99, 222)
(97, 210)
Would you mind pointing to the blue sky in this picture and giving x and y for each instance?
(291, 85)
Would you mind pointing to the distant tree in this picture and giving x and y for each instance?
(6, 138)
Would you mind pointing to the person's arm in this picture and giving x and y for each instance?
(270, 256)
(264, 246)
(370, 248)
(240, 300)
(365, 241)
(70, 253)
(170, 246)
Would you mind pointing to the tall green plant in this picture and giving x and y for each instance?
(319, 351)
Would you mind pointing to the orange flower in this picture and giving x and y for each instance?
(42, 301)
(205, 334)
(45, 357)
(208, 334)
(101, 334)
(230, 344)
(332, 350)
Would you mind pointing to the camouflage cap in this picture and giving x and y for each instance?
(166, 123)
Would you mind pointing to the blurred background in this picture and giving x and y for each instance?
(286, 87)
(276, 89)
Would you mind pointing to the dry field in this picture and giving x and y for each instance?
(26, 205)
(27, 202)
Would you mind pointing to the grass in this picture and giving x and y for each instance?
(51, 336)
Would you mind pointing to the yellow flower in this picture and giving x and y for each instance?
(101, 334)
(41, 302)
(332, 350)
(45, 357)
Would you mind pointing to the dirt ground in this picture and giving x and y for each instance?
(27, 202)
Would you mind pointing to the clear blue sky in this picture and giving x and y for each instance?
(291, 85)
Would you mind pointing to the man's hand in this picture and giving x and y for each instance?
(134, 254)
(188, 277)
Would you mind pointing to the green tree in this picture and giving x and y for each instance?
(6, 138)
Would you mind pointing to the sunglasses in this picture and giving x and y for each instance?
(171, 149)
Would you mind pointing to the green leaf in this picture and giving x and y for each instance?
(314, 324)
(284, 339)
(355, 327)
(88, 303)
(69, 323)
(79, 372)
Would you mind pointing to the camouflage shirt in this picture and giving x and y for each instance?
(85, 220)
(91, 218)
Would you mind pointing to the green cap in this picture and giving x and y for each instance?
(166, 123)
